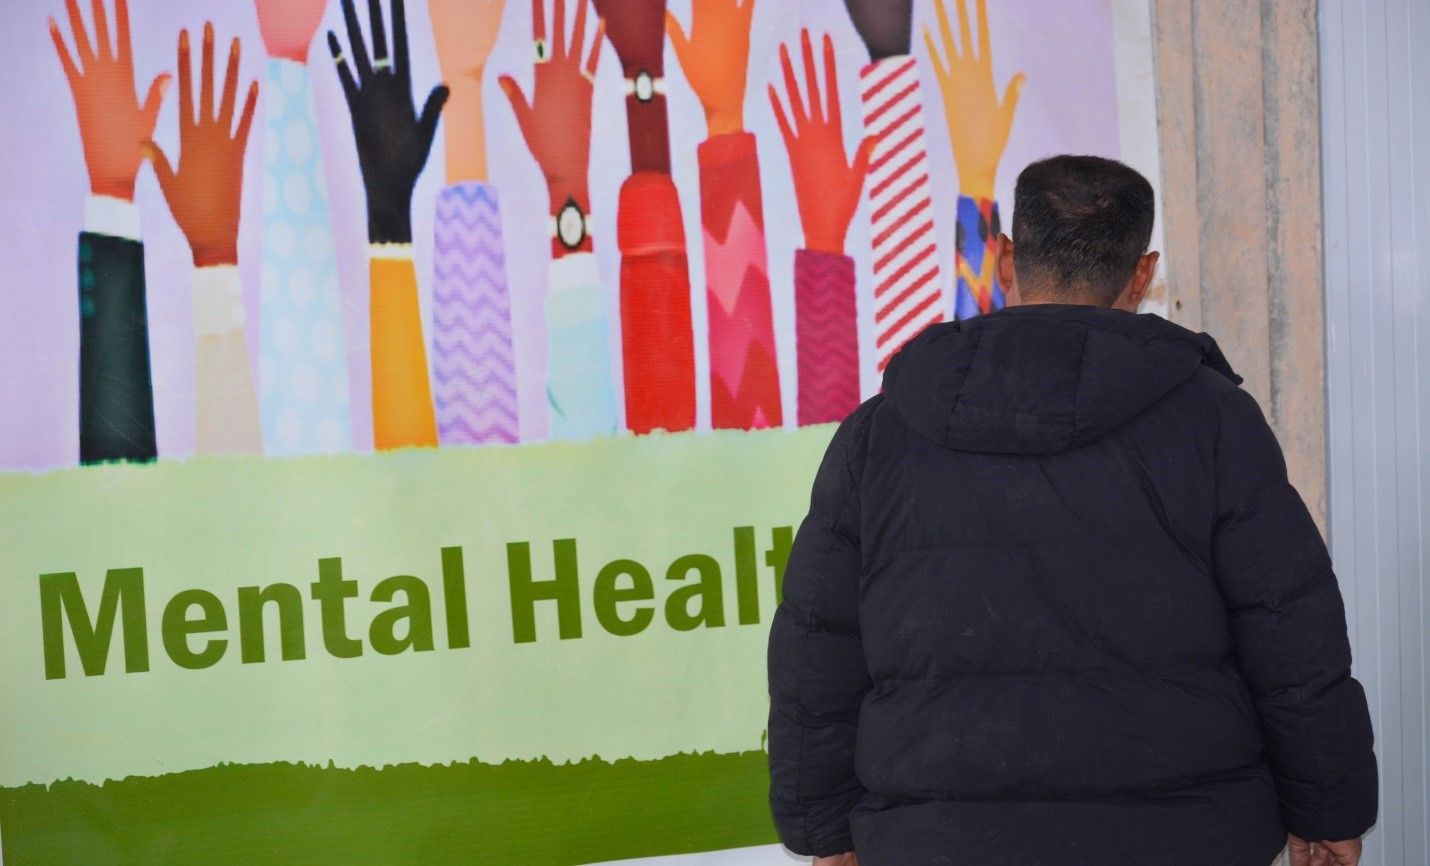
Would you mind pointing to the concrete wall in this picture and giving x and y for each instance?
(1237, 108)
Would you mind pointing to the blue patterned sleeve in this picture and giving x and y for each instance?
(303, 375)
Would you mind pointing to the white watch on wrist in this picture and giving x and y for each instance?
(571, 225)
(645, 86)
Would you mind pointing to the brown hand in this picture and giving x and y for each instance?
(112, 124)
(204, 192)
(637, 32)
(715, 58)
(556, 122)
(826, 184)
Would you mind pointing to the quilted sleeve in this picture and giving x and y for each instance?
(1289, 624)
(817, 674)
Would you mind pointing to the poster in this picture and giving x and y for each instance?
(406, 413)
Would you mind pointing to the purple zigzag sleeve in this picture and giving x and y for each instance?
(473, 366)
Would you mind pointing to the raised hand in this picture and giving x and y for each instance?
(288, 26)
(203, 192)
(978, 123)
(715, 57)
(886, 26)
(556, 120)
(637, 31)
(113, 125)
(1303, 853)
(827, 184)
(393, 140)
(465, 32)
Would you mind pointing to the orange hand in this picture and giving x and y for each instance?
(715, 58)
(465, 31)
(112, 124)
(827, 185)
(978, 124)
(204, 192)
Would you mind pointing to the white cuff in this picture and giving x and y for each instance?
(575, 292)
(389, 251)
(574, 271)
(107, 215)
(218, 300)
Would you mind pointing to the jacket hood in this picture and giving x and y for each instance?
(1041, 378)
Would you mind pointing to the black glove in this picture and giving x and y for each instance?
(392, 140)
(886, 26)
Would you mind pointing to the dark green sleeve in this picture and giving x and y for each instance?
(116, 392)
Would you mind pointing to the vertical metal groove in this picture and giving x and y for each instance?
(1375, 87)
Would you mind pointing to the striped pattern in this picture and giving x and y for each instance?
(907, 297)
(826, 336)
(473, 365)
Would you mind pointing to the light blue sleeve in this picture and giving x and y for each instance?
(579, 383)
(303, 374)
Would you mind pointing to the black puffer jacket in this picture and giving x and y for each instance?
(1056, 602)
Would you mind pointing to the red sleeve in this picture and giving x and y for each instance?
(657, 343)
(744, 376)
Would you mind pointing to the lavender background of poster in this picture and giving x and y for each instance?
(1065, 47)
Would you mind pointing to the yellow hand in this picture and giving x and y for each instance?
(978, 123)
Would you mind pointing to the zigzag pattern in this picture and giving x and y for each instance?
(741, 328)
(748, 406)
(473, 363)
(744, 397)
(826, 337)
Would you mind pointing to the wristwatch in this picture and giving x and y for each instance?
(644, 86)
(571, 225)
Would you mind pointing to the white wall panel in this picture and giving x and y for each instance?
(1375, 82)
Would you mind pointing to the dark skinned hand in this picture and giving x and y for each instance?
(393, 141)
(886, 26)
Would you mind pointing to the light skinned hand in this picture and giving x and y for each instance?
(1324, 853)
(847, 859)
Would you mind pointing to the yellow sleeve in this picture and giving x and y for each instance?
(402, 413)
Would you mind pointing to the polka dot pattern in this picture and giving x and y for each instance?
(302, 364)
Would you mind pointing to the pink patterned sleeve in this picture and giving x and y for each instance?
(744, 376)
(826, 336)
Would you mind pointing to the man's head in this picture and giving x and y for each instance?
(1081, 227)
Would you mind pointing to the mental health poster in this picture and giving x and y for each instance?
(406, 408)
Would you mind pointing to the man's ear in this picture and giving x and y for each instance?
(1007, 274)
(1131, 297)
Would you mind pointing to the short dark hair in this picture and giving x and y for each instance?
(1080, 223)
